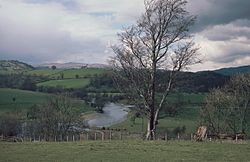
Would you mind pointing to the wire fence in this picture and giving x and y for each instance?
(107, 135)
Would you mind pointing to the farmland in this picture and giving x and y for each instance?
(66, 83)
(67, 78)
(68, 73)
(19, 100)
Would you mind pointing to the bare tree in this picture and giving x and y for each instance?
(158, 41)
(56, 117)
(227, 109)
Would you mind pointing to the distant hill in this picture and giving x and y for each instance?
(200, 81)
(71, 65)
(233, 70)
(13, 66)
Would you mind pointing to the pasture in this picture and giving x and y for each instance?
(69, 73)
(21, 100)
(66, 83)
(67, 78)
(146, 151)
(187, 116)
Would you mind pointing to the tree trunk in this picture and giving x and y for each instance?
(150, 131)
(151, 128)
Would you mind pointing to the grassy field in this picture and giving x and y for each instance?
(66, 83)
(125, 151)
(72, 78)
(188, 116)
(69, 73)
(25, 99)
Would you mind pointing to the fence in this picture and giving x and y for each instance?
(106, 135)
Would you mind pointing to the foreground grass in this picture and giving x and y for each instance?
(124, 151)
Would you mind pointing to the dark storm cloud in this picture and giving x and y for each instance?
(232, 56)
(230, 31)
(215, 12)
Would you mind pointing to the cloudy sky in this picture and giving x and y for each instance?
(42, 31)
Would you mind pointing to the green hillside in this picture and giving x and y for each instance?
(13, 99)
(188, 115)
(66, 83)
(69, 73)
(67, 78)
(233, 70)
(19, 100)
(12, 66)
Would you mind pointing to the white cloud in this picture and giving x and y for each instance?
(49, 31)
(38, 31)
(224, 46)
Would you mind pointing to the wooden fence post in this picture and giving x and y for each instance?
(95, 136)
(73, 138)
(110, 135)
(102, 136)
(67, 138)
(166, 136)
(178, 136)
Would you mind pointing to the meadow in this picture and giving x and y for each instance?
(21, 100)
(68, 73)
(144, 151)
(188, 115)
(66, 83)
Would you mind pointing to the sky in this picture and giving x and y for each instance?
(45, 31)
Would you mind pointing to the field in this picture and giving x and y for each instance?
(19, 100)
(13, 99)
(188, 116)
(67, 78)
(125, 151)
(69, 73)
(66, 83)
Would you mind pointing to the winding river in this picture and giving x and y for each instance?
(112, 114)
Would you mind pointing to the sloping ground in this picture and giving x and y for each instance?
(68, 78)
(13, 99)
(69, 73)
(14, 66)
(233, 70)
(123, 151)
(66, 83)
(19, 100)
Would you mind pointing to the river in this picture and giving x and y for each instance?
(112, 114)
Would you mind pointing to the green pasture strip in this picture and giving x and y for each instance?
(144, 151)
(66, 83)
(14, 99)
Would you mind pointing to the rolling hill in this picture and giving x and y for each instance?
(13, 66)
(71, 65)
(233, 70)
